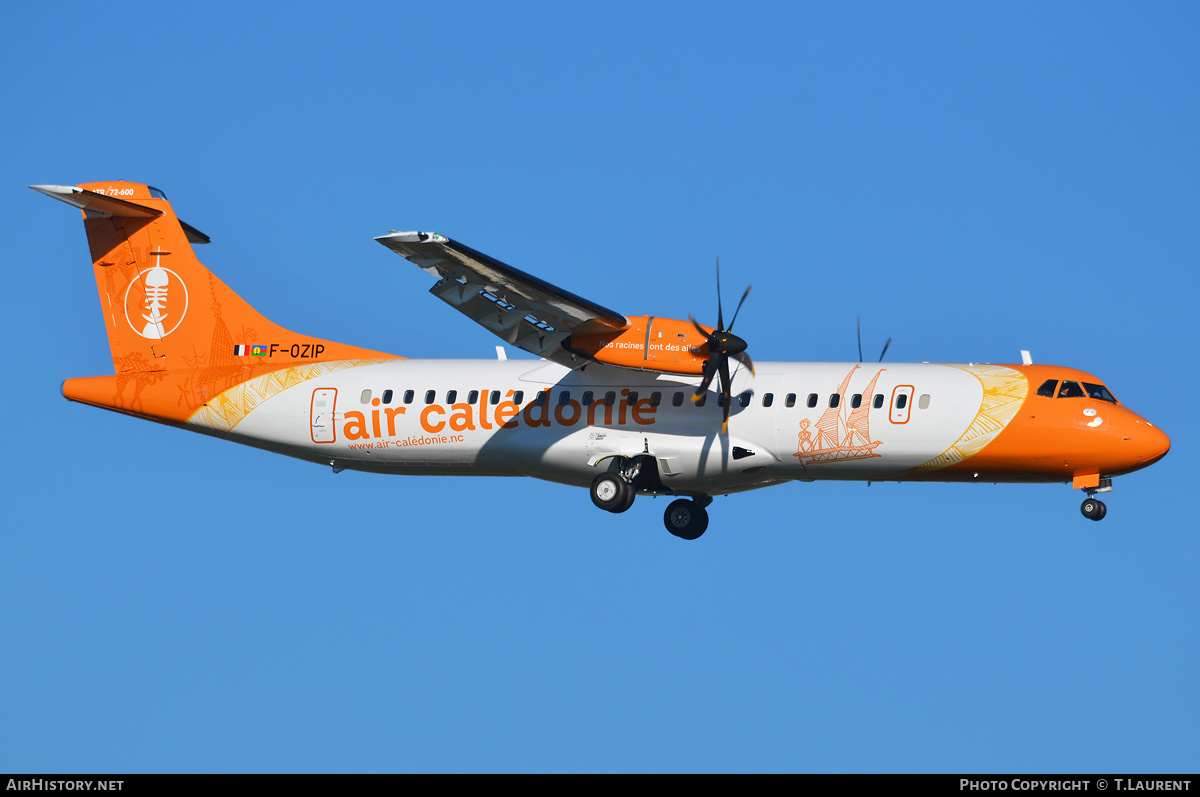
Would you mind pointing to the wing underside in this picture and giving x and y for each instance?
(523, 310)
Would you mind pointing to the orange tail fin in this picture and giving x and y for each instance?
(162, 308)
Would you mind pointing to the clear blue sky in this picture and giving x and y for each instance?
(970, 179)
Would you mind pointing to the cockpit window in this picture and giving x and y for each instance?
(1071, 390)
(1047, 388)
(157, 194)
(1099, 392)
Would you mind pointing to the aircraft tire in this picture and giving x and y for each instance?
(1093, 509)
(609, 492)
(686, 519)
(630, 494)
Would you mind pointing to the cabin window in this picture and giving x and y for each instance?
(878, 403)
(677, 399)
(700, 402)
(473, 397)
(834, 400)
(1070, 390)
(901, 401)
(856, 401)
(812, 399)
(387, 397)
(655, 398)
(768, 399)
(366, 397)
(790, 400)
(408, 396)
(429, 396)
(564, 397)
(610, 398)
(720, 399)
(1099, 392)
(632, 398)
(744, 398)
(494, 398)
(1047, 388)
(542, 397)
(923, 402)
(587, 398)
(451, 396)
(518, 397)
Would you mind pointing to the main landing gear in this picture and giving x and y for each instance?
(1092, 507)
(687, 519)
(612, 493)
(615, 490)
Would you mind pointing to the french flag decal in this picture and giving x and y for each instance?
(241, 351)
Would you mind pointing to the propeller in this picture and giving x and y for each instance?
(722, 345)
(885, 346)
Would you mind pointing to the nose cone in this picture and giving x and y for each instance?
(729, 343)
(1140, 442)
(1152, 443)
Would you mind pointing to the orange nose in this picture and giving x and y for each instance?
(1150, 443)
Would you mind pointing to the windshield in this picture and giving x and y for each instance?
(1099, 392)
(1070, 390)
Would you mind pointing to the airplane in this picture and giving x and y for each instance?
(622, 405)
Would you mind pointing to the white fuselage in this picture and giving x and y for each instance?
(376, 417)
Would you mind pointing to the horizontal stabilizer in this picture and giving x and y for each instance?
(97, 204)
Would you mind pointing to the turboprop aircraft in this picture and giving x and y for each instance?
(625, 405)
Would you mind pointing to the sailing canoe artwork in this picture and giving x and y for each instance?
(843, 432)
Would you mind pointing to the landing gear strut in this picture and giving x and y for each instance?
(1092, 507)
(687, 519)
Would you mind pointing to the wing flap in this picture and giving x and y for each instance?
(525, 311)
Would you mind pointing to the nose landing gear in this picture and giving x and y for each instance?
(1093, 508)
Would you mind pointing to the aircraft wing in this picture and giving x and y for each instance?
(525, 311)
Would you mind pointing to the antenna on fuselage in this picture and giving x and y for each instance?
(858, 322)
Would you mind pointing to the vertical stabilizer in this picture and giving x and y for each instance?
(163, 310)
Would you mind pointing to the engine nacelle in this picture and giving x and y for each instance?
(649, 343)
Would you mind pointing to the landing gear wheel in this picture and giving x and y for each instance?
(1093, 509)
(612, 493)
(630, 494)
(686, 519)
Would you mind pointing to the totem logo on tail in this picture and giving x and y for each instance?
(159, 297)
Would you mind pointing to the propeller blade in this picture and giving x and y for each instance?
(710, 369)
(699, 328)
(889, 343)
(858, 323)
(745, 360)
(739, 308)
(723, 367)
(720, 317)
